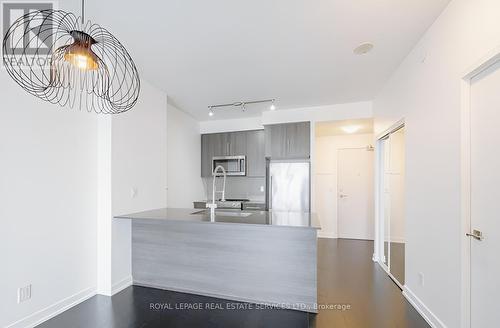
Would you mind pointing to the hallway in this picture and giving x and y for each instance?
(347, 277)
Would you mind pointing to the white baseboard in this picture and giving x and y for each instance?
(424, 311)
(121, 285)
(399, 240)
(326, 235)
(51, 311)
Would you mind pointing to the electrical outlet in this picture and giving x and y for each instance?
(421, 279)
(23, 294)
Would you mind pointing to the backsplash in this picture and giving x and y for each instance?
(239, 187)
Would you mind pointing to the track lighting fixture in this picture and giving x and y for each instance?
(241, 104)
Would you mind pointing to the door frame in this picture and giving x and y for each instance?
(337, 184)
(486, 62)
(378, 252)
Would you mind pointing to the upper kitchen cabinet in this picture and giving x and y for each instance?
(211, 145)
(256, 161)
(221, 144)
(276, 141)
(288, 141)
(237, 143)
(230, 143)
(299, 140)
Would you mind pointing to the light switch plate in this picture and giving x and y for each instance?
(421, 278)
(23, 293)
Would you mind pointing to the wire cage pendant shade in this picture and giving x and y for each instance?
(56, 56)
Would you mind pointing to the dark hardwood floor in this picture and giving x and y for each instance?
(398, 261)
(347, 275)
(363, 294)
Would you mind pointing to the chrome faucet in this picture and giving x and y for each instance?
(215, 175)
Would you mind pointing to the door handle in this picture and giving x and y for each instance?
(476, 234)
(270, 205)
(343, 195)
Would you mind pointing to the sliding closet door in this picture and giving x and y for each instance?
(392, 203)
(397, 192)
(385, 197)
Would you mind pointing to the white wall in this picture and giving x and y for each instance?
(138, 170)
(184, 159)
(48, 204)
(243, 124)
(335, 112)
(325, 172)
(425, 90)
(51, 158)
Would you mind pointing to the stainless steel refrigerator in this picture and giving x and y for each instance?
(288, 185)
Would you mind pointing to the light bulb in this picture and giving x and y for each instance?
(272, 107)
(79, 54)
(210, 112)
(82, 61)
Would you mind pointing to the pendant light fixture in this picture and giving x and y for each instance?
(65, 60)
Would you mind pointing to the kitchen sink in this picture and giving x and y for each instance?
(225, 213)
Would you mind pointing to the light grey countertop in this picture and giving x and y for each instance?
(269, 218)
(253, 201)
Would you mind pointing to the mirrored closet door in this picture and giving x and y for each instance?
(392, 203)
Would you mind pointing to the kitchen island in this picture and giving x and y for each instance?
(251, 256)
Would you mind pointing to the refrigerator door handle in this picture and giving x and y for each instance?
(270, 192)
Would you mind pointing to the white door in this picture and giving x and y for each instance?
(355, 194)
(485, 203)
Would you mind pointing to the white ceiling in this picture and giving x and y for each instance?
(297, 51)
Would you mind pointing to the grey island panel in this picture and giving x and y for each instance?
(249, 263)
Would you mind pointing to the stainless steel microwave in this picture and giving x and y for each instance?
(234, 165)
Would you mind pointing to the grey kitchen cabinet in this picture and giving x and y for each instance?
(205, 156)
(254, 206)
(211, 145)
(217, 145)
(255, 151)
(230, 143)
(288, 141)
(208, 150)
(221, 144)
(276, 141)
(237, 143)
(299, 140)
